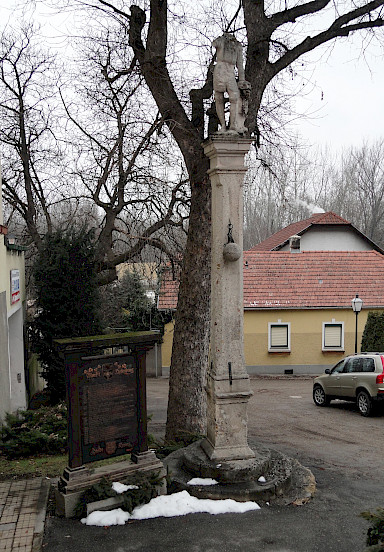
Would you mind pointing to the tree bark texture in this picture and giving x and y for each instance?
(187, 396)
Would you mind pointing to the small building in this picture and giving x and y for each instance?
(298, 316)
(319, 232)
(13, 395)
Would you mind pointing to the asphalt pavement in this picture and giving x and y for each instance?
(329, 522)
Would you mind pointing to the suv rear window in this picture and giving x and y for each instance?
(360, 365)
(368, 365)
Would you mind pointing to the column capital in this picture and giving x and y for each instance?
(226, 152)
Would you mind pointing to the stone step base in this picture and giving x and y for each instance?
(287, 481)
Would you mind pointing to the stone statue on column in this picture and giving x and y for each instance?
(229, 56)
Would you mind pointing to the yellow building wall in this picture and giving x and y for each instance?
(306, 339)
(306, 336)
(166, 346)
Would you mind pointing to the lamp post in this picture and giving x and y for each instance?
(357, 303)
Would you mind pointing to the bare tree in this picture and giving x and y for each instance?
(105, 159)
(289, 188)
(278, 190)
(269, 53)
(123, 155)
(30, 152)
(356, 189)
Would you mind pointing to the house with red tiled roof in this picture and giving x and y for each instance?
(321, 231)
(298, 316)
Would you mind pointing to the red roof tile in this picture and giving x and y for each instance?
(310, 279)
(313, 279)
(280, 238)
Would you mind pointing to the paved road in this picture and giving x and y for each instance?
(344, 450)
(282, 414)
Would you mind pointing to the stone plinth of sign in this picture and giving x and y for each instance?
(107, 412)
(228, 385)
(74, 482)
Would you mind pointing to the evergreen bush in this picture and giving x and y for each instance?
(373, 335)
(34, 432)
(67, 300)
(375, 533)
(126, 307)
(146, 484)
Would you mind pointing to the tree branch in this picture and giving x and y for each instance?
(337, 29)
(290, 15)
(152, 60)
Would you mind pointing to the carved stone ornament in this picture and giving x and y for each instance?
(231, 252)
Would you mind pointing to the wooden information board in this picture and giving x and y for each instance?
(108, 407)
(106, 395)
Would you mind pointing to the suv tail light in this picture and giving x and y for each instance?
(380, 377)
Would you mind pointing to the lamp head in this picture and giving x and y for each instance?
(357, 303)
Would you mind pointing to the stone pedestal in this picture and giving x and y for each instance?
(75, 481)
(228, 385)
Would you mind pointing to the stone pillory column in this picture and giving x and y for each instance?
(228, 388)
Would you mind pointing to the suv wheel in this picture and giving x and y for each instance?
(364, 403)
(319, 396)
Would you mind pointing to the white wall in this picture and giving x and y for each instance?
(5, 402)
(16, 361)
(12, 379)
(335, 239)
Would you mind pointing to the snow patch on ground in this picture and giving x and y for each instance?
(177, 504)
(113, 517)
(202, 481)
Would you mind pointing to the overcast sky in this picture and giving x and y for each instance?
(352, 87)
(345, 97)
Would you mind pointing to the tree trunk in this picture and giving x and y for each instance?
(187, 395)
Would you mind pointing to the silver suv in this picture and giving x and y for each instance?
(357, 378)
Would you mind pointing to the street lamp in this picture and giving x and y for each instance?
(357, 303)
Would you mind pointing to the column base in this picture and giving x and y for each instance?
(226, 453)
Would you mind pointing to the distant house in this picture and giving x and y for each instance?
(319, 232)
(297, 297)
(13, 394)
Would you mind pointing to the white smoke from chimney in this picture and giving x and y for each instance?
(314, 209)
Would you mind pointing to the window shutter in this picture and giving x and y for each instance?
(279, 336)
(332, 335)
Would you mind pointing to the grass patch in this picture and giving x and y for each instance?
(27, 468)
(44, 466)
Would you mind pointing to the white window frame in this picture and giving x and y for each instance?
(332, 323)
(279, 349)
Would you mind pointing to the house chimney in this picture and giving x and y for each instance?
(294, 244)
